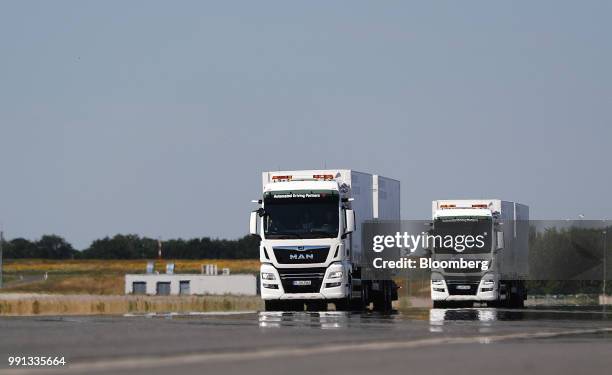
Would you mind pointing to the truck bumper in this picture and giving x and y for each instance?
(273, 289)
(441, 293)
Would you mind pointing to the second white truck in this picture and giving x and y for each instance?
(309, 222)
(504, 229)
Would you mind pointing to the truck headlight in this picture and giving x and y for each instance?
(335, 275)
(267, 276)
(488, 280)
(437, 285)
(488, 283)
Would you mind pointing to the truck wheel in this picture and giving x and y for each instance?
(347, 304)
(343, 304)
(523, 295)
(362, 303)
(504, 289)
(517, 299)
(383, 301)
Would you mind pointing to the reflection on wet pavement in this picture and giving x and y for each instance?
(483, 317)
(323, 320)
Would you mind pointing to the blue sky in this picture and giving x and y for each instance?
(157, 118)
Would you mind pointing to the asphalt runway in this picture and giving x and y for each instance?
(563, 340)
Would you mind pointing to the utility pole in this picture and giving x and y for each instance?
(159, 248)
(605, 262)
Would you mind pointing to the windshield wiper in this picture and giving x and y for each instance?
(322, 233)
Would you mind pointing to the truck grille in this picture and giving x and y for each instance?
(462, 270)
(301, 254)
(462, 287)
(304, 280)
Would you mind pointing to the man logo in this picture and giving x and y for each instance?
(301, 256)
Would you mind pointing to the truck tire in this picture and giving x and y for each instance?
(383, 301)
(516, 299)
(343, 304)
(362, 303)
(348, 304)
(504, 289)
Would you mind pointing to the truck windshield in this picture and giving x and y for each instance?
(460, 227)
(301, 214)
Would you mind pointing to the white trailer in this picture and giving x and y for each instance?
(309, 222)
(505, 249)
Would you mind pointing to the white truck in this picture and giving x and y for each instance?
(504, 228)
(309, 222)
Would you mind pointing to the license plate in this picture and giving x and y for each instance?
(302, 282)
(464, 287)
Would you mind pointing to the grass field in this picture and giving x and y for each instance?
(16, 304)
(98, 277)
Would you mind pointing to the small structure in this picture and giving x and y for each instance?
(209, 269)
(170, 268)
(190, 284)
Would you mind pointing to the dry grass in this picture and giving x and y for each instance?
(111, 284)
(99, 277)
(23, 304)
(125, 266)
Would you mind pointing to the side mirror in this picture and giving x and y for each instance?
(350, 221)
(253, 223)
(499, 236)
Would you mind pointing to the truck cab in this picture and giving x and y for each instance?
(310, 243)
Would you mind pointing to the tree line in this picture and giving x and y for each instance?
(132, 246)
(569, 260)
(573, 253)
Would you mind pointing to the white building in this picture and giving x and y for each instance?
(190, 284)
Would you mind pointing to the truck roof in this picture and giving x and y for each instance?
(479, 207)
(462, 212)
(301, 185)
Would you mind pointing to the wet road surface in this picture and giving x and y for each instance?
(560, 340)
